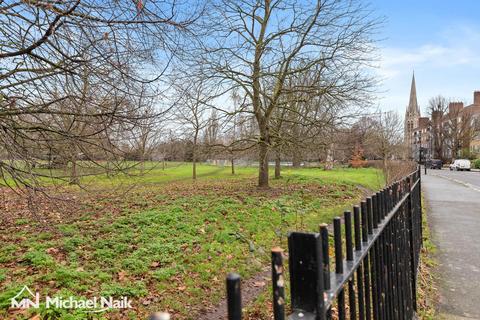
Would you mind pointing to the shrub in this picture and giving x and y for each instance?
(357, 160)
(476, 164)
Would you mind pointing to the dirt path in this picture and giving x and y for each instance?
(251, 288)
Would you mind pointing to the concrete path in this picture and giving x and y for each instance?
(453, 202)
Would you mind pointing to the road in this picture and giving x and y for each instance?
(453, 203)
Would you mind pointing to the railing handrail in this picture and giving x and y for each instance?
(337, 281)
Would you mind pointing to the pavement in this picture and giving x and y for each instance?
(453, 203)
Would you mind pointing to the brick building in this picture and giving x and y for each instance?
(460, 125)
(422, 140)
(474, 110)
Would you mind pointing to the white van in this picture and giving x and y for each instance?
(461, 164)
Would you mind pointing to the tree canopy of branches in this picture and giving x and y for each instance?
(262, 48)
(453, 127)
(460, 127)
(71, 73)
(387, 139)
(437, 108)
(193, 98)
(378, 136)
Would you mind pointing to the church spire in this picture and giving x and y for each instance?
(413, 104)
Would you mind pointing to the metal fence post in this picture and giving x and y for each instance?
(358, 247)
(411, 227)
(234, 297)
(367, 229)
(306, 275)
(278, 284)
(420, 205)
(349, 252)
(323, 228)
(337, 236)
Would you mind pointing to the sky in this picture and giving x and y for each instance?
(439, 40)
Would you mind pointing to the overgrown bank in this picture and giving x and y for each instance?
(168, 244)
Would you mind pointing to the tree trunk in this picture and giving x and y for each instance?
(277, 166)
(142, 161)
(107, 169)
(329, 159)
(194, 170)
(385, 171)
(263, 147)
(73, 172)
(194, 157)
(454, 151)
(194, 164)
(233, 165)
(263, 165)
(296, 159)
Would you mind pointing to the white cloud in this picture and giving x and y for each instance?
(448, 64)
(457, 46)
(398, 60)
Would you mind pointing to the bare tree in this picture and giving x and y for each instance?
(437, 109)
(460, 127)
(192, 109)
(68, 72)
(386, 138)
(307, 119)
(235, 132)
(256, 46)
(142, 139)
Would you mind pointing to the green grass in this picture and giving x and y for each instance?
(169, 243)
(428, 295)
(365, 177)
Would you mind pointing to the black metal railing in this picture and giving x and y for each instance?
(376, 279)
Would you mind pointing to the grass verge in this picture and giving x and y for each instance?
(427, 295)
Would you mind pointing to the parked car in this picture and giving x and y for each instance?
(461, 164)
(434, 164)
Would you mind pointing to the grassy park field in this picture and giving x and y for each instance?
(160, 238)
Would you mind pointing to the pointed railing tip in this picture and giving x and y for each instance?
(233, 276)
(160, 316)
